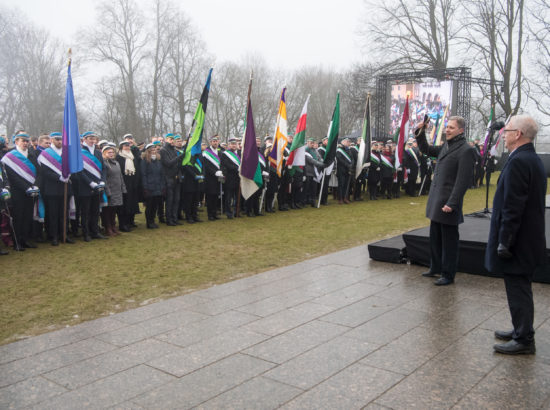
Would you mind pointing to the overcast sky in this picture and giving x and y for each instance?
(288, 33)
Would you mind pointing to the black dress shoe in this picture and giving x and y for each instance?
(87, 238)
(28, 245)
(124, 229)
(504, 334)
(171, 224)
(229, 216)
(55, 242)
(178, 222)
(190, 221)
(513, 347)
(18, 248)
(197, 220)
(211, 218)
(430, 274)
(443, 281)
(99, 236)
(3, 252)
(69, 240)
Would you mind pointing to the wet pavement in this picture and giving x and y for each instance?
(336, 332)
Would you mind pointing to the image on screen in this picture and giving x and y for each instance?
(431, 98)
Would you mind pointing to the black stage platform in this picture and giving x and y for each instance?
(414, 246)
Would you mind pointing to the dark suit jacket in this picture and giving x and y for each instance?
(84, 178)
(518, 214)
(452, 177)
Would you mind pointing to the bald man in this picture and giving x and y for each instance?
(517, 242)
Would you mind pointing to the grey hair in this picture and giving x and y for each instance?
(459, 121)
(527, 125)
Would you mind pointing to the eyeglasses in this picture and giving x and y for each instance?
(514, 129)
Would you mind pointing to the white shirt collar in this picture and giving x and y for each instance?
(25, 153)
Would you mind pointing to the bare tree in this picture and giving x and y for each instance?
(412, 34)
(539, 16)
(31, 85)
(119, 37)
(495, 35)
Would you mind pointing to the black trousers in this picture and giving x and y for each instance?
(443, 249)
(152, 204)
(522, 309)
(89, 214)
(212, 202)
(230, 200)
(22, 210)
(173, 190)
(54, 216)
(190, 202)
(343, 186)
(386, 187)
(373, 189)
(311, 190)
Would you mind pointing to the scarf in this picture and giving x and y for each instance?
(129, 168)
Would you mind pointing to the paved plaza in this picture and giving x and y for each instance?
(335, 332)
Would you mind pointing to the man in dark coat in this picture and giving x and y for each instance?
(373, 176)
(344, 166)
(230, 162)
(212, 177)
(91, 185)
(171, 166)
(53, 187)
(452, 177)
(517, 244)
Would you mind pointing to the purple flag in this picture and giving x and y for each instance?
(251, 170)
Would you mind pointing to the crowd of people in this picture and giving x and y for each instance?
(103, 199)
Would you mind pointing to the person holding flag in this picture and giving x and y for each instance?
(230, 161)
(314, 168)
(344, 167)
(452, 177)
(53, 183)
(213, 177)
(330, 150)
(373, 176)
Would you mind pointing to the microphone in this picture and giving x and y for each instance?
(496, 126)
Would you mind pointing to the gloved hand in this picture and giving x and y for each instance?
(93, 185)
(100, 187)
(33, 191)
(304, 178)
(265, 174)
(400, 169)
(199, 178)
(408, 172)
(62, 179)
(219, 174)
(503, 252)
(378, 169)
(5, 194)
(366, 165)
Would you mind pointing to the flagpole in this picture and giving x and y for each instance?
(64, 237)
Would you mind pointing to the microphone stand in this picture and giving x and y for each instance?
(488, 171)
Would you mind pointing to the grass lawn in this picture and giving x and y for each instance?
(51, 287)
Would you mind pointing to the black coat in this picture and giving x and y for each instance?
(152, 178)
(517, 221)
(211, 182)
(83, 178)
(230, 172)
(452, 177)
(343, 163)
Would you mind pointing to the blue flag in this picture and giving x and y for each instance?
(71, 157)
